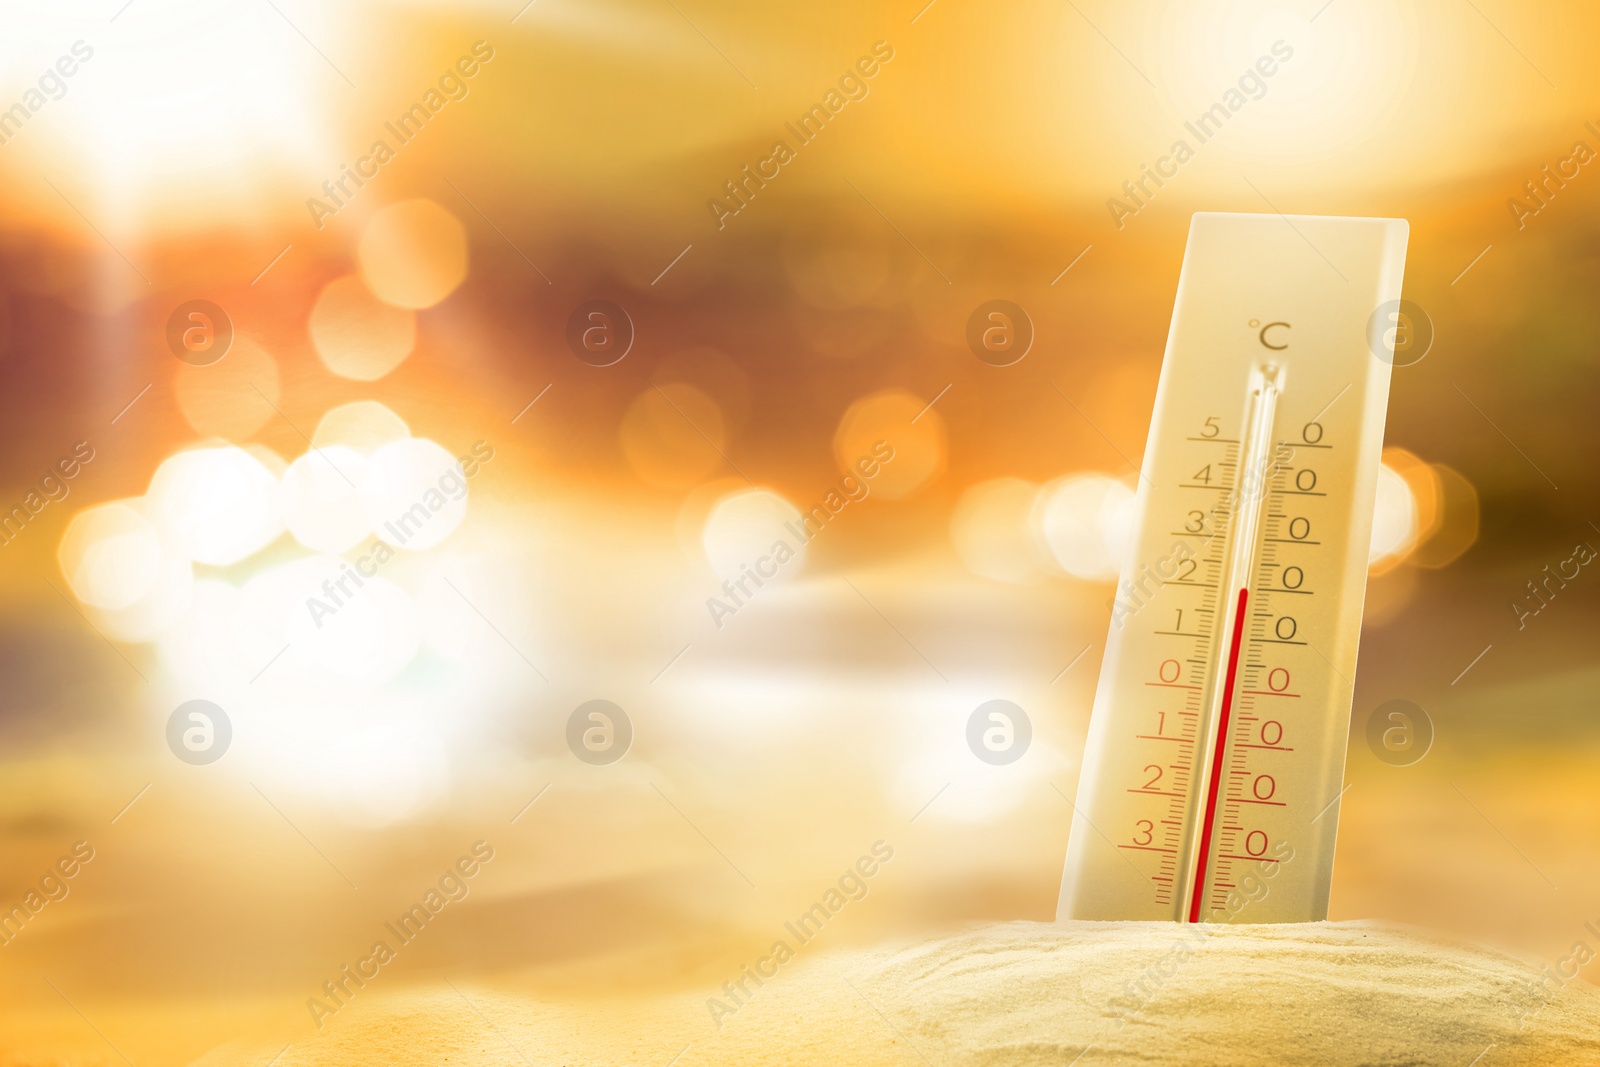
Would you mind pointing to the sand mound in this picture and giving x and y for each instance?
(1022, 993)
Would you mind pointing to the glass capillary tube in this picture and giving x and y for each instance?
(1250, 490)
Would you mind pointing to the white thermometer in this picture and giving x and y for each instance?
(1216, 747)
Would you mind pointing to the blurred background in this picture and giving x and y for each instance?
(268, 268)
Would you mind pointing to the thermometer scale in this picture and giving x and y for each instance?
(1211, 776)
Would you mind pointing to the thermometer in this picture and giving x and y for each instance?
(1211, 776)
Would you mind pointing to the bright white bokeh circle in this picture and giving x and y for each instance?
(320, 499)
(221, 504)
(990, 530)
(111, 555)
(414, 494)
(744, 531)
(1394, 517)
(1085, 520)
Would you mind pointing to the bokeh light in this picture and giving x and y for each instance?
(754, 530)
(1085, 521)
(413, 254)
(357, 335)
(321, 501)
(906, 424)
(1427, 490)
(991, 530)
(414, 494)
(1455, 526)
(1394, 521)
(713, 373)
(672, 435)
(111, 554)
(232, 398)
(220, 503)
(363, 425)
(163, 605)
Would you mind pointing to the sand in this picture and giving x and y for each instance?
(1017, 993)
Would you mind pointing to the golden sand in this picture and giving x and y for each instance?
(1019, 993)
